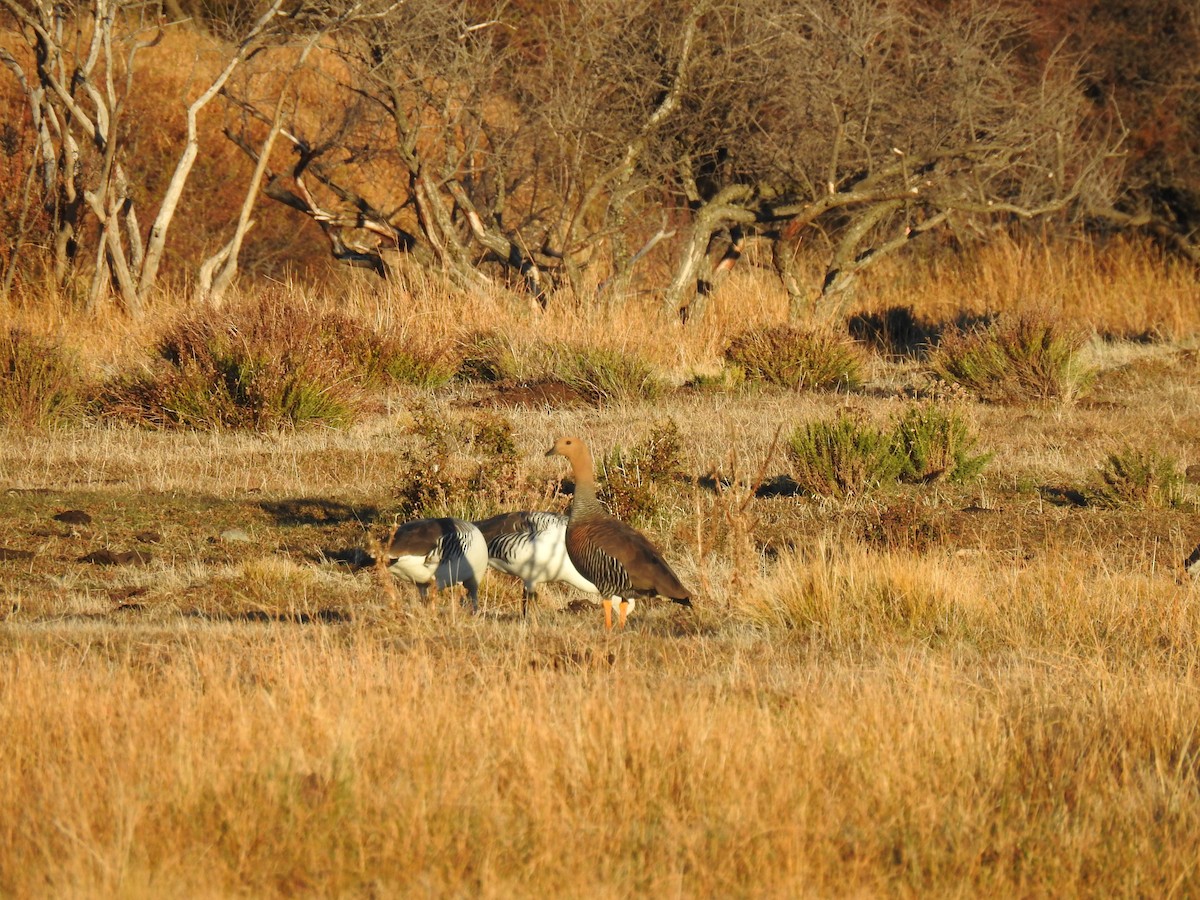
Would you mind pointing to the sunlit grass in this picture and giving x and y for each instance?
(1003, 704)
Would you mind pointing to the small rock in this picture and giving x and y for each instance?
(235, 536)
(148, 537)
(109, 558)
(74, 517)
(99, 558)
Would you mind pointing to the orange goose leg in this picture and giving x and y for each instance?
(607, 604)
(621, 613)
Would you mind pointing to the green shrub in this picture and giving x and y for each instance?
(934, 444)
(601, 375)
(40, 384)
(796, 358)
(263, 366)
(1138, 476)
(639, 483)
(436, 478)
(842, 458)
(1014, 361)
(847, 457)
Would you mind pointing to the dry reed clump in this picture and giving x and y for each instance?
(843, 599)
(603, 375)
(263, 365)
(1015, 360)
(276, 589)
(796, 358)
(40, 382)
(343, 761)
(1126, 288)
(850, 597)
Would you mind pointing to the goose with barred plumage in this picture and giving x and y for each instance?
(618, 559)
(442, 551)
(533, 547)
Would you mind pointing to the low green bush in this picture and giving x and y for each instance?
(846, 457)
(796, 358)
(934, 443)
(1015, 360)
(1139, 476)
(842, 458)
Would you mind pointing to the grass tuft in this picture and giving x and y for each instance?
(487, 356)
(1015, 360)
(796, 358)
(40, 384)
(601, 375)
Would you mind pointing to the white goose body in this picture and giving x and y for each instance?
(443, 552)
(532, 546)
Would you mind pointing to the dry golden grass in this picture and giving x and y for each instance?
(1007, 707)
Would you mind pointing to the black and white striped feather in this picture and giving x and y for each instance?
(444, 552)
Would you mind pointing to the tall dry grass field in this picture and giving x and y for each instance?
(982, 688)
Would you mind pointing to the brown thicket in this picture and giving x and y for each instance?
(598, 146)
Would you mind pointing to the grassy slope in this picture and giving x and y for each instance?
(1003, 704)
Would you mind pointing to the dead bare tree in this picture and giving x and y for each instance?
(85, 67)
(609, 80)
(482, 149)
(862, 125)
(215, 275)
(571, 145)
(412, 165)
